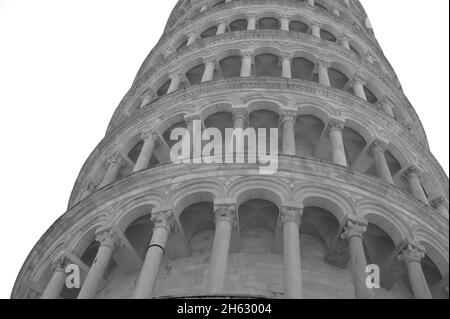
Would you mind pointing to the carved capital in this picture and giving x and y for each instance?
(164, 219)
(411, 254)
(354, 229)
(411, 172)
(247, 54)
(290, 116)
(323, 64)
(291, 214)
(108, 237)
(335, 125)
(150, 135)
(378, 146)
(438, 202)
(358, 80)
(225, 212)
(241, 113)
(116, 158)
(59, 264)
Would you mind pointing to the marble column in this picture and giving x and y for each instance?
(115, 162)
(286, 65)
(358, 88)
(354, 232)
(164, 224)
(335, 129)
(315, 30)
(336, 11)
(87, 190)
(192, 37)
(148, 97)
(208, 74)
(343, 40)
(386, 106)
(240, 117)
(322, 69)
(292, 274)
(379, 153)
(412, 257)
(175, 82)
(288, 119)
(108, 240)
(412, 175)
(310, 3)
(58, 280)
(285, 23)
(439, 204)
(222, 28)
(246, 65)
(150, 141)
(225, 217)
(251, 25)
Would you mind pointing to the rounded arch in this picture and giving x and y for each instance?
(389, 221)
(366, 131)
(326, 198)
(194, 192)
(245, 189)
(264, 105)
(323, 111)
(434, 252)
(209, 110)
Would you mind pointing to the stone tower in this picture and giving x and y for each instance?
(355, 184)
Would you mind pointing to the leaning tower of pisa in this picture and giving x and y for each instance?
(355, 184)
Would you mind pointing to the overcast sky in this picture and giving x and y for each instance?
(65, 65)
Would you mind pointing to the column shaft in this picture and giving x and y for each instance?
(208, 74)
(337, 143)
(291, 253)
(416, 186)
(412, 257)
(324, 78)
(108, 240)
(225, 217)
(381, 164)
(246, 67)
(146, 152)
(354, 233)
(55, 285)
(163, 225)
(286, 68)
(358, 89)
(115, 164)
(288, 122)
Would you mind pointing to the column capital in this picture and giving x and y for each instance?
(335, 124)
(175, 74)
(412, 254)
(163, 218)
(438, 202)
(149, 135)
(354, 228)
(225, 212)
(107, 236)
(59, 264)
(287, 55)
(210, 59)
(116, 158)
(239, 112)
(246, 53)
(168, 51)
(189, 118)
(358, 79)
(323, 64)
(378, 146)
(291, 214)
(288, 116)
(88, 186)
(411, 172)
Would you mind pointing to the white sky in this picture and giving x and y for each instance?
(65, 66)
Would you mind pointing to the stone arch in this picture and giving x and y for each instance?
(129, 209)
(215, 107)
(323, 111)
(437, 253)
(255, 187)
(389, 221)
(194, 192)
(264, 105)
(327, 198)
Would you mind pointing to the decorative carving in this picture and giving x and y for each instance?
(116, 159)
(288, 116)
(412, 254)
(411, 172)
(108, 237)
(291, 214)
(164, 219)
(334, 125)
(225, 212)
(354, 229)
(59, 264)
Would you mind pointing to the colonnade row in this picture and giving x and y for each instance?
(333, 132)
(225, 219)
(249, 64)
(312, 3)
(252, 22)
